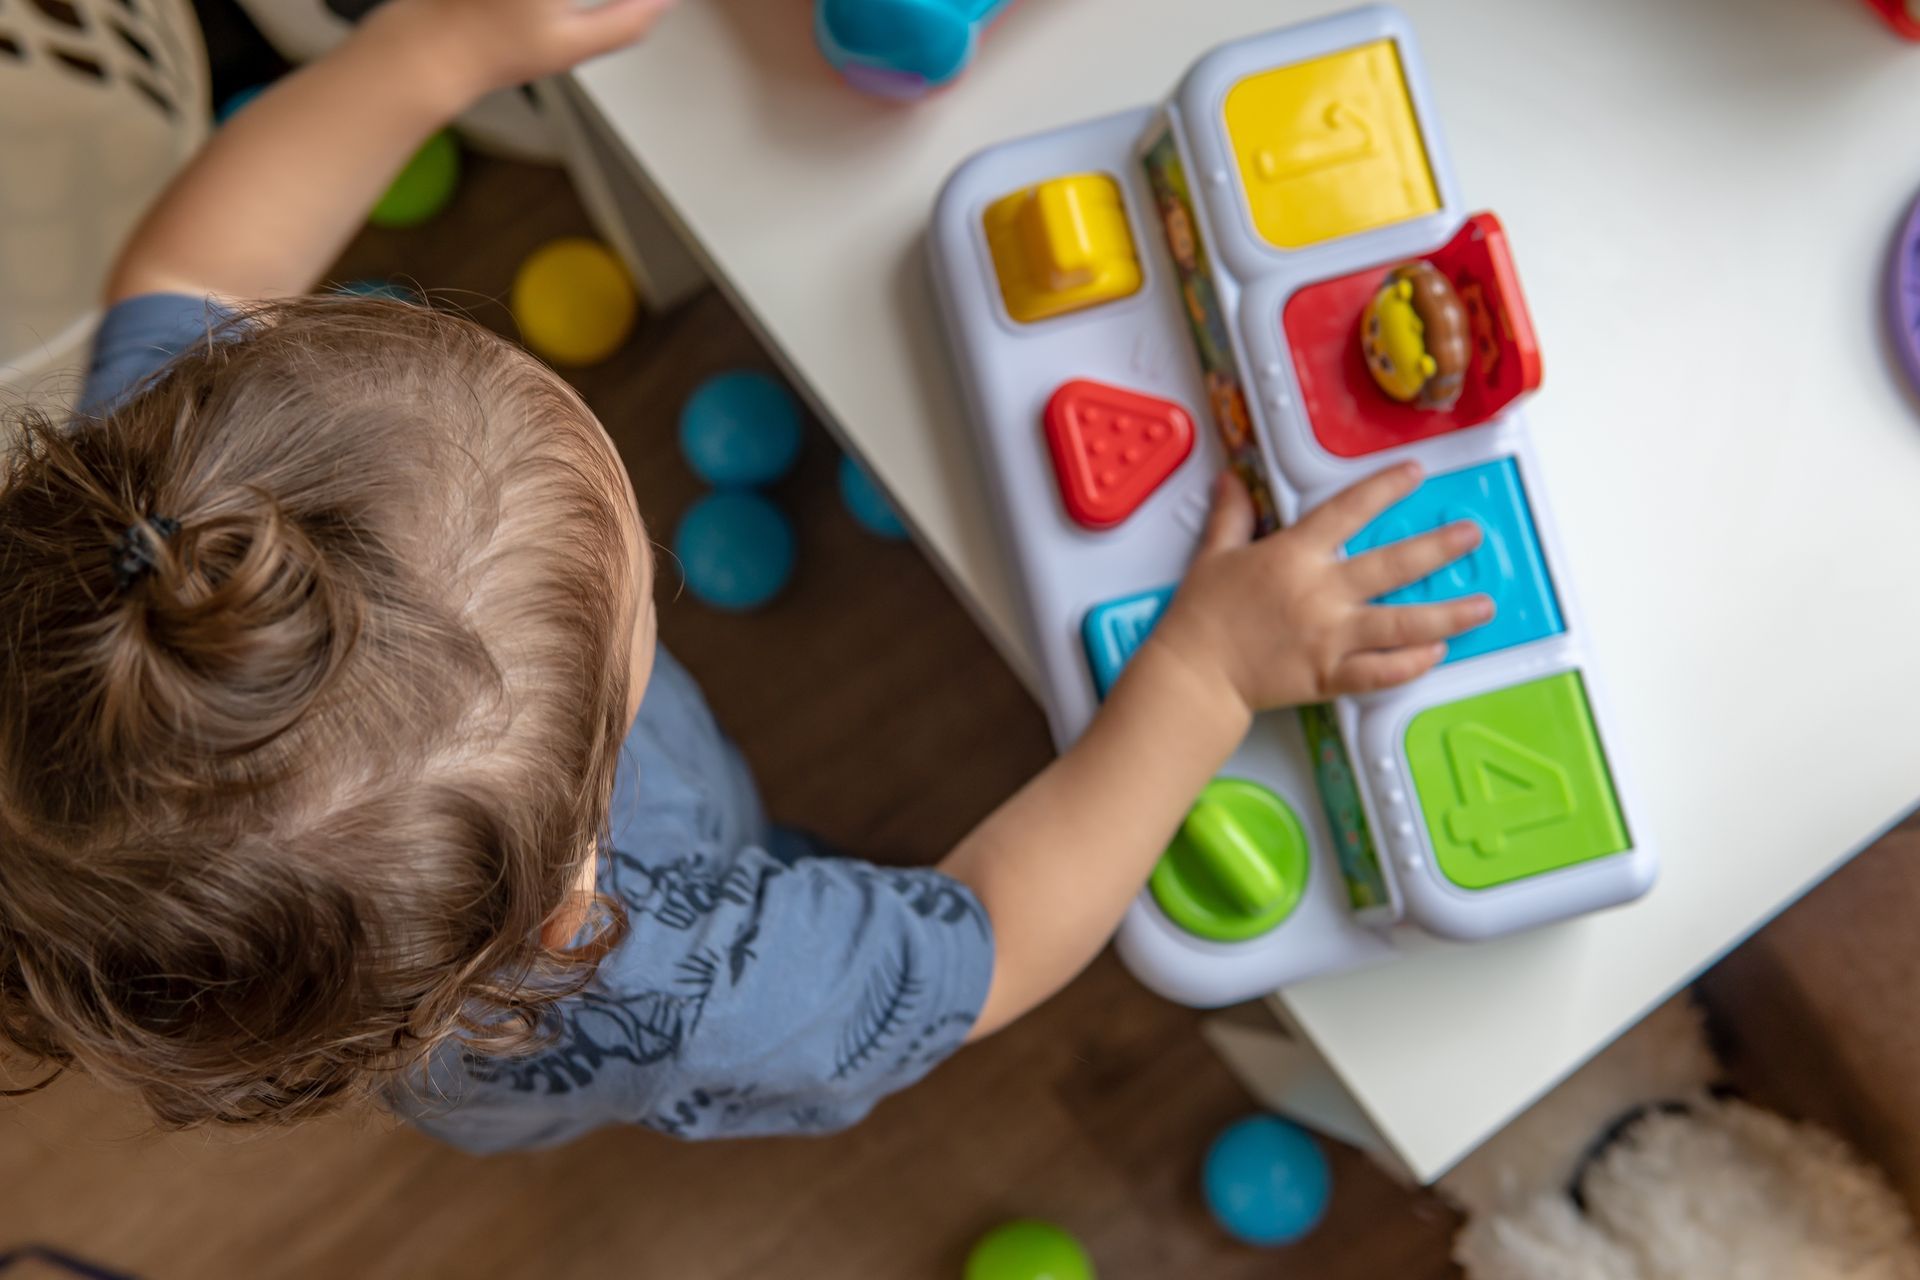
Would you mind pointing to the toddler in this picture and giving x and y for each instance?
(338, 758)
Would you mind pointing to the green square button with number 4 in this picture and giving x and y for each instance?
(1515, 783)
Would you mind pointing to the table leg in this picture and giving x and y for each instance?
(1278, 1064)
(621, 201)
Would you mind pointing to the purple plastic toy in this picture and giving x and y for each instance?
(1905, 296)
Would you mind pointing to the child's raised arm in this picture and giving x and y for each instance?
(1255, 625)
(280, 189)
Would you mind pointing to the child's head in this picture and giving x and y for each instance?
(318, 655)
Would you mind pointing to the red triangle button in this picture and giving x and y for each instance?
(1112, 448)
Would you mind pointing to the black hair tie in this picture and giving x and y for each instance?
(133, 555)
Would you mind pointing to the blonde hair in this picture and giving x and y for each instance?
(285, 800)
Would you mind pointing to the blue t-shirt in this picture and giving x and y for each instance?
(759, 990)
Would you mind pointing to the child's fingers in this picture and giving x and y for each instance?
(1398, 626)
(1367, 672)
(1349, 511)
(1230, 523)
(1400, 563)
(615, 24)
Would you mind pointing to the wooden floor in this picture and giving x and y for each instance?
(874, 713)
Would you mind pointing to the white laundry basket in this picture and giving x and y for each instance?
(101, 102)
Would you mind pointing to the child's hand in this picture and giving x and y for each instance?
(269, 203)
(483, 45)
(1285, 621)
(1255, 626)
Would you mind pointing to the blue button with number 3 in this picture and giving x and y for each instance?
(1507, 565)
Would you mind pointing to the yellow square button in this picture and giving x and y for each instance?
(1330, 147)
(1062, 245)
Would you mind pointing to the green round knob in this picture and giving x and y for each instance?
(1237, 866)
(1028, 1250)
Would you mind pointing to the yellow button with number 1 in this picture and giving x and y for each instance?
(1330, 147)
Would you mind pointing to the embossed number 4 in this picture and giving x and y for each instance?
(1506, 788)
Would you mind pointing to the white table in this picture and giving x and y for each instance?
(1700, 196)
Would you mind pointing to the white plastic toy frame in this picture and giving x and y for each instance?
(1009, 370)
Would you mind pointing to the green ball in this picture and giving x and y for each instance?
(1028, 1250)
(423, 187)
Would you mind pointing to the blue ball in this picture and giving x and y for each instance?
(740, 429)
(1266, 1181)
(736, 550)
(239, 99)
(866, 504)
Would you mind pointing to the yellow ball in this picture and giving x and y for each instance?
(574, 301)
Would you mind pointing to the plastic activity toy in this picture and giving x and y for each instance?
(574, 302)
(1413, 335)
(736, 550)
(1266, 1182)
(1904, 295)
(1236, 866)
(424, 187)
(1061, 246)
(1294, 191)
(1111, 448)
(1028, 1250)
(901, 48)
(1902, 15)
(740, 429)
(866, 504)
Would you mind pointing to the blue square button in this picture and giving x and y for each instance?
(1112, 631)
(1508, 564)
